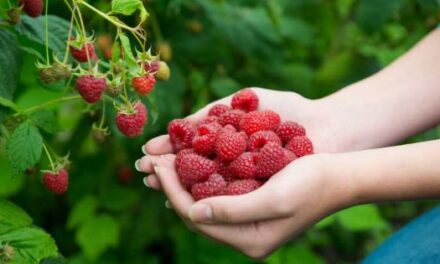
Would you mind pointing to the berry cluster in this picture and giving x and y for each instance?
(236, 148)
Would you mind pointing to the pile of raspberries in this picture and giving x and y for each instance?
(236, 148)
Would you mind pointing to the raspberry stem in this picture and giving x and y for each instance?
(66, 54)
(47, 33)
(43, 105)
(52, 165)
(83, 29)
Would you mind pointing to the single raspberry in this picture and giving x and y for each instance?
(56, 182)
(246, 100)
(301, 146)
(289, 156)
(203, 142)
(181, 132)
(214, 186)
(259, 139)
(289, 129)
(245, 166)
(91, 87)
(80, 54)
(218, 110)
(254, 121)
(231, 117)
(164, 73)
(207, 120)
(152, 67)
(143, 84)
(33, 8)
(180, 155)
(194, 169)
(230, 145)
(272, 118)
(272, 159)
(242, 187)
(132, 122)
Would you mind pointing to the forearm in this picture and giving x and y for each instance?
(399, 101)
(404, 172)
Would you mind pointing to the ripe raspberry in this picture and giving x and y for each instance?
(246, 100)
(214, 186)
(33, 8)
(203, 142)
(272, 159)
(56, 182)
(229, 128)
(194, 169)
(143, 84)
(261, 138)
(230, 145)
(287, 130)
(242, 187)
(91, 87)
(254, 121)
(273, 118)
(289, 156)
(131, 123)
(223, 170)
(181, 132)
(301, 146)
(245, 165)
(180, 155)
(208, 120)
(80, 54)
(218, 110)
(231, 117)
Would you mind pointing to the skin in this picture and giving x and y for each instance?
(397, 102)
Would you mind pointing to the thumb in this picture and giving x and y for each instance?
(258, 205)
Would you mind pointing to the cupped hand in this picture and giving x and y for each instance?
(258, 222)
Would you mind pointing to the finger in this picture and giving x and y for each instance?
(262, 204)
(151, 181)
(145, 164)
(159, 145)
(202, 113)
(177, 195)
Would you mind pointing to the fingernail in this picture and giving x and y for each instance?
(144, 150)
(200, 213)
(168, 205)
(136, 165)
(146, 182)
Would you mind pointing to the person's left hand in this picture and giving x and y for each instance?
(258, 222)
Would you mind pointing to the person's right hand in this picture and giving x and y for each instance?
(322, 128)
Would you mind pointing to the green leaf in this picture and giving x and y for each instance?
(31, 245)
(125, 41)
(118, 198)
(12, 217)
(97, 235)
(224, 86)
(82, 211)
(125, 7)
(362, 218)
(45, 119)
(10, 183)
(24, 147)
(372, 14)
(8, 103)
(302, 254)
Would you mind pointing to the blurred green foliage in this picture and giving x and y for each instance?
(312, 47)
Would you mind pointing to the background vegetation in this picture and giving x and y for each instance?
(214, 48)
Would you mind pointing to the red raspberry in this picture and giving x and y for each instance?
(230, 145)
(246, 100)
(214, 186)
(273, 118)
(143, 84)
(289, 156)
(132, 122)
(91, 87)
(80, 54)
(223, 170)
(125, 174)
(33, 8)
(208, 120)
(254, 121)
(229, 128)
(152, 67)
(181, 132)
(272, 159)
(203, 142)
(287, 130)
(180, 155)
(301, 146)
(242, 187)
(194, 169)
(245, 165)
(259, 139)
(56, 182)
(231, 117)
(218, 110)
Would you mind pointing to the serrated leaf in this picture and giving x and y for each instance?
(97, 235)
(24, 147)
(12, 217)
(125, 7)
(45, 120)
(128, 53)
(31, 245)
(82, 211)
(362, 218)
